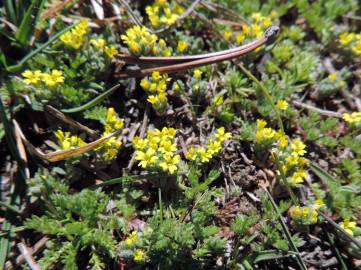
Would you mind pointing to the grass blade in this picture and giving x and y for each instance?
(93, 102)
(10, 11)
(28, 22)
(17, 67)
(287, 232)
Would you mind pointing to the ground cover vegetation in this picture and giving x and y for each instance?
(174, 134)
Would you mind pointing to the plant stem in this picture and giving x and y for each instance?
(265, 93)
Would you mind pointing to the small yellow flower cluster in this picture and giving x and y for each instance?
(156, 87)
(130, 242)
(75, 38)
(289, 157)
(52, 79)
(141, 42)
(348, 226)
(100, 44)
(213, 147)
(111, 146)
(157, 151)
(182, 46)
(163, 13)
(256, 28)
(352, 118)
(282, 105)
(351, 41)
(334, 78)
(66, 141)
(139, 256)
(306, 215)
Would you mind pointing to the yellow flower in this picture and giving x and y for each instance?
(346, 38)
(131, 239)
(318, 204)
(265, 134)
(52, 79)
(282, 141)
(245, 29)
(240, 38)
(256, 16)
(144, 83)
(332, 76)
(217, 101)
(139, 144)
(110, 148)
(282, 105)
(191, 154)
(167, 146)
(111, 51)
(298, 147)
(256, 31)
(267, 22)
(99, 44)
(348, 226)
(261, 123)
(221, 135)
(213, 147)
(295, 212)
(66, 141)
(197, 73)
(156, 76)
(153, 99)
(298, 177)
(112, 121)
(352, 118)
(147, 158)
(182, 46)
(227, 35)
(32, 77)
(170, 163)
(203, 155)
(139, 256)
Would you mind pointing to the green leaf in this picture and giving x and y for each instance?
(28, 22)
(93, 102)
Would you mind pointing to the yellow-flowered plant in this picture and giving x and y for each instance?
(158, 151)
(348, 226)
(156, 88)
(163, 13)
(67, 141)
(101, 45)
(141, 42)
(132, 239)
(306, 215)
(182, 46)
(351, 42)
(256, 28)
(112, 145)
(139, 256)
(37, 77)
(287, 156)
(212, 148)
(76, 37)
(282, 105)
(353, 119)
(334, 78)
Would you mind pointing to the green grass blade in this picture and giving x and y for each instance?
(287, 233)
(322, 174)
(26, 28)
(17, 67)
(93, 102)
(10, 11)
(4, 243)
